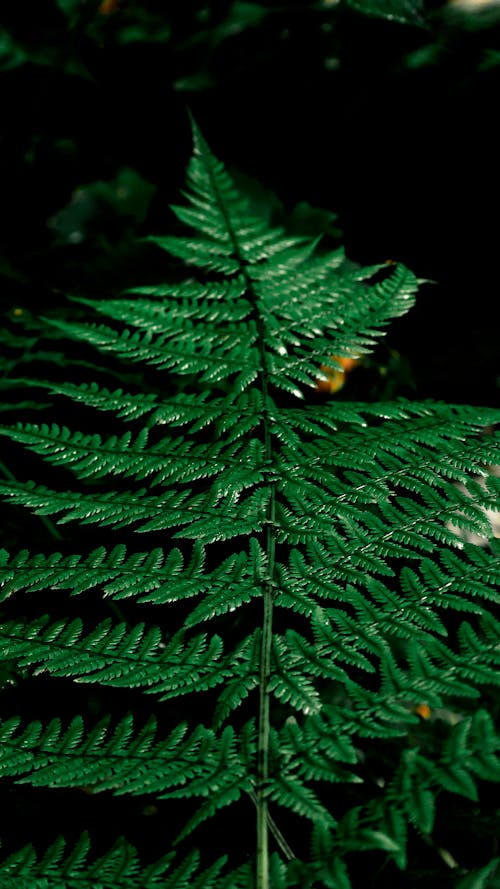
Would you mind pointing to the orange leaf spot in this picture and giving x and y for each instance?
(424, 711)
(334, 382)
(108, 7)
(336, 378)
(347, 363)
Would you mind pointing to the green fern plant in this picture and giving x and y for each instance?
(287, 581)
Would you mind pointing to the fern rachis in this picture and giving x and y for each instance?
(304, 566)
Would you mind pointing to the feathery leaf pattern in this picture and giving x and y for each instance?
(304, 568)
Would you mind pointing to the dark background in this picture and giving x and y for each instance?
(385, 113)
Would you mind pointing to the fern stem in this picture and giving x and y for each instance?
(263, 818)
(276, 832)
(264, 724)
(264, 721)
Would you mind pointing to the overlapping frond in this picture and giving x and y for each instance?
(467, 752)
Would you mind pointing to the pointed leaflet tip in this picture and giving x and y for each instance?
(198, 140)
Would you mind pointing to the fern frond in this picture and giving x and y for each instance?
(212, 359)
(418, 781)
(223, 303)
(153, 577)
(89, 456)
(320, 546)
(115, 655)
(120, 759)
(118, 868)
(208, 521)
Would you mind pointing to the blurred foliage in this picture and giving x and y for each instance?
(403, 11)
(378, 109)
(94, 206)
(375, 108)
